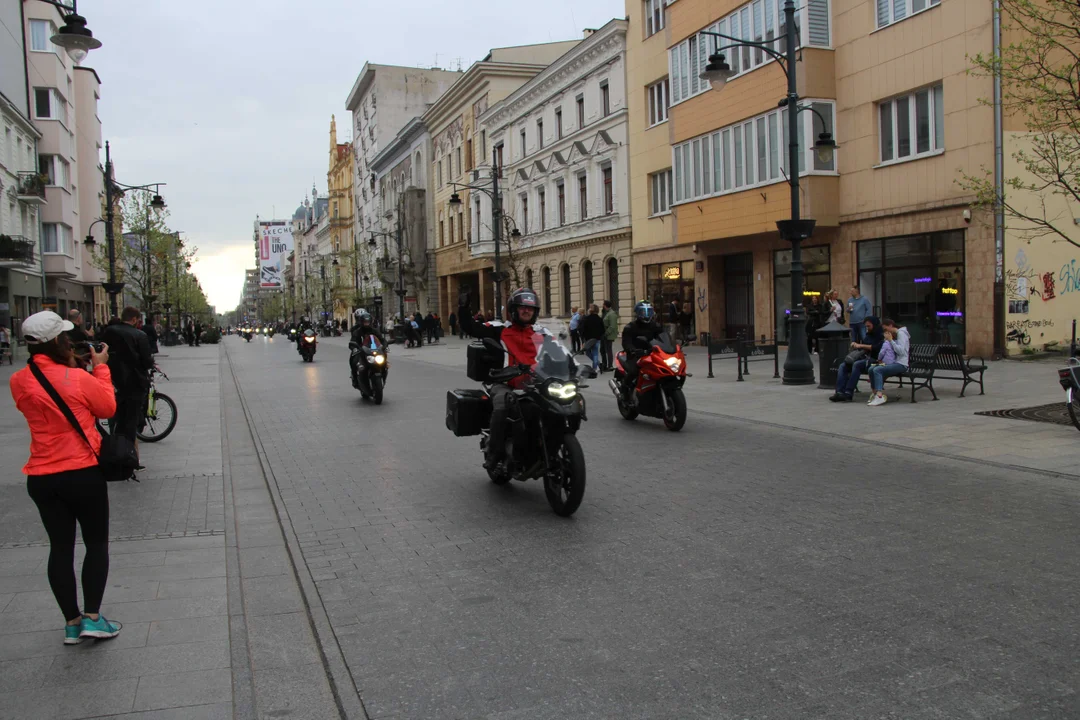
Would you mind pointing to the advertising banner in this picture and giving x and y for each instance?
(275, 244)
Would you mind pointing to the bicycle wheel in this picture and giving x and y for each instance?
(161, 421)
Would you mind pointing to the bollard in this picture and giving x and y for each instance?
(1072, 345)
(739, 357)
(776, 359)
(707, 339)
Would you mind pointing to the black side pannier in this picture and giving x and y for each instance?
(467, 411)
(481, 361)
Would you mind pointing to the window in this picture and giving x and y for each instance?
(583, 196)
(55, 168)
(660, 184)
(541, 197)
(524, 200)
(609, 196)
(522, 136)
(529, 279)
(890, 11)
(744, 155)
(469, 159)
(913, 125)
(483, 145)
(587, 282)
(654, 16)
(459, 166)
(580, 111)
(613, 281)
(564, 277)
(545, 279)
(441, 237)
(540, 134)
(558, 123)
(659, 96)
(477, 216)
(560, 187)
(56, 238)
(48, 105)
(450, 229)
(41, 32)
(605, 99)
(756, 21)
(439, 174)
(499, 159)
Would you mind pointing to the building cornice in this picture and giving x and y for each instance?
(363, 82)
(599, 49)
(11, 109)
(89, 69)
(474, 80)
(402, 141)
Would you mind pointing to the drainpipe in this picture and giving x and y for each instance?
(999, 191)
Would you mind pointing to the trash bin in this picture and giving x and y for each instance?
(834, 341)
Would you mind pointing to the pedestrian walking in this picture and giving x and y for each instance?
(151, 336)
(612, 331)
(592, 328)
(575, 334)
(63, 477)
(452, 320)
(130, 364)
(686, 321)
(673, 320)
(198, 333)
(429, 325)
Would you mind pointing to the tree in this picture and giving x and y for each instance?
(1040, 76)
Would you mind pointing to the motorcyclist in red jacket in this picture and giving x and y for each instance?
(521, 342)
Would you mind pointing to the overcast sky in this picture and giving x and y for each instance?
(229, 102)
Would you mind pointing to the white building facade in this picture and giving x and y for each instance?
(562, 138)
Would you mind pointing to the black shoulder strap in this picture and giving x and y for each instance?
(60, 404)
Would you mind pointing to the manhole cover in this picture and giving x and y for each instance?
(1053, 413)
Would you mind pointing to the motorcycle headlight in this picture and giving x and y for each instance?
(309, 339)
(378, 359)
(674, 363)
(559, 391)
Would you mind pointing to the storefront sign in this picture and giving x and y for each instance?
(923, 280)
(950, 291)
(951, 313)
(673, 273)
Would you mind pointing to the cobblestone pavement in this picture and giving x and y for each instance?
(734, 570)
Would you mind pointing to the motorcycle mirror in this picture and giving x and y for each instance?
(352, 345)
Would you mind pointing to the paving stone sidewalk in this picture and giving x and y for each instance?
(212, 613)
(947, 428)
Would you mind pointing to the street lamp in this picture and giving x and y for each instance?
(113, 188)
(798, 366)
(496, 222)
(73, 36)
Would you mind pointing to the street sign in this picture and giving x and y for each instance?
(377, 300)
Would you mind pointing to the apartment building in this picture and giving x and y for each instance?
(889, 80)
(458, 146)
(563, 140)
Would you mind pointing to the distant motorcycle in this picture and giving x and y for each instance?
(658, 389)
(369, 368)
(307, 346)
(247, 333)
(1069, 377)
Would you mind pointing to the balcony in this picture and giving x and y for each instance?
(16, 251)
(31, 188)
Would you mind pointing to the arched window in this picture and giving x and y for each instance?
(529, 279)
(545, 278)
(565, 278)
(587, 282)
(613, 281)
(418, 169)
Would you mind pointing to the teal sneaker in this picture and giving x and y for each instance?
(71, 634)
(100, 629)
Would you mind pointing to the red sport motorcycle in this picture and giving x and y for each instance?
(658, 389)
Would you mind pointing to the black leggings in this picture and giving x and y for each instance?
(62, 499)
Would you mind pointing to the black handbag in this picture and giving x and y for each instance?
(117, 459)
(854, 356)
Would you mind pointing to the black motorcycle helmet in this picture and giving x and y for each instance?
(523, 297)
(644, 313)
(363, 318)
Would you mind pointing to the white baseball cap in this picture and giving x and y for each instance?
(44, 326)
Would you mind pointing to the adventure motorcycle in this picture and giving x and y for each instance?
(658, 389)
(545, 413)
(369, 368)
(307, 346)
(1069, 377)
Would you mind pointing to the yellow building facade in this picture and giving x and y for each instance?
(888, 80)
(339, 181)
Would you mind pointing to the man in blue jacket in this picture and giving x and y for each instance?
(858, 309)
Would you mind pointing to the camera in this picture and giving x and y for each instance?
(86, 345)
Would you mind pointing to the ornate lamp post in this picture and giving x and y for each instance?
(799, 366)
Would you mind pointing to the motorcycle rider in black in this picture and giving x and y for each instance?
(305, 324)
(362, 328)
(643, 325)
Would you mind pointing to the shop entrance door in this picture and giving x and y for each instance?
(739, 294)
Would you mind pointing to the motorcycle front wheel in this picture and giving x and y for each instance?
(376, 389)
(564, 485)
(675, 416)
(1074, 408)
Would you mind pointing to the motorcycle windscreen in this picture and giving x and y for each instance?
(553, 360)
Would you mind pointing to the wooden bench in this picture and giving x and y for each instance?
(942, 362)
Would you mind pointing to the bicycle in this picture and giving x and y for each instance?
(161, 413)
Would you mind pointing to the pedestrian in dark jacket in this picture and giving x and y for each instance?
(452, 320)
(130, 364)
(592, 328)
(151, 336)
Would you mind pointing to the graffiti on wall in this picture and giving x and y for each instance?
(702, 300)
(1069, 276)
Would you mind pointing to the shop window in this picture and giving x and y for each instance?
(668, 282)
(816, 283)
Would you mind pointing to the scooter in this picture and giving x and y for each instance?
(307, 346)
(657, 391)
(369, 368)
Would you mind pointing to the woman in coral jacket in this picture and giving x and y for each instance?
(63, 477)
